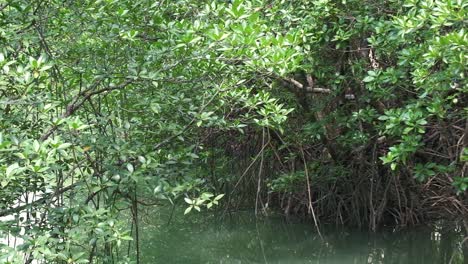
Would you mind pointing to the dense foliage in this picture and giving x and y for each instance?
(352, 112)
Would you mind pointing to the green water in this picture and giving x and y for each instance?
(242, 238)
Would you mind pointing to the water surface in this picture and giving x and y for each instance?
(241, 238)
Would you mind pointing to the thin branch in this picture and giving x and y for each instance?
(44, 199)
(260, 170)
(81, 98)
(4, 6)
(169, 139)
(248, 168)
(296, 83)
(309, 194)
(308, 89)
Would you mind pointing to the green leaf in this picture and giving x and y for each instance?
(36, 146)
(130, 167)
(158, 189)
(126, 238)
(218, 197)
(64, 145)
(368, 79)
(12, 169)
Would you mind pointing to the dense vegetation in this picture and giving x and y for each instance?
(348, 112)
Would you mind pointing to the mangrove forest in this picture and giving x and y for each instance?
(233, 131)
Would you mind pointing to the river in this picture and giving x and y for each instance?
(242, 238)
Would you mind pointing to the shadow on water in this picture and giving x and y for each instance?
(245, 239)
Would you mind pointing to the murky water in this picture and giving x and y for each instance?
(242, 238)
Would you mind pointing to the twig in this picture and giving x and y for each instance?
(309, 89)
(81, 98)
(248, 168)
(4, 6)
(310, 207)
(260, 175)
(38, 201)
(169, 139)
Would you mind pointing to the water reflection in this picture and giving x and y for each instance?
(242, 239)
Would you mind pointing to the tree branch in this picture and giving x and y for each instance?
(44, 199)
(4, 6)
(81, 98)
(308, 88)
(169, 139)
